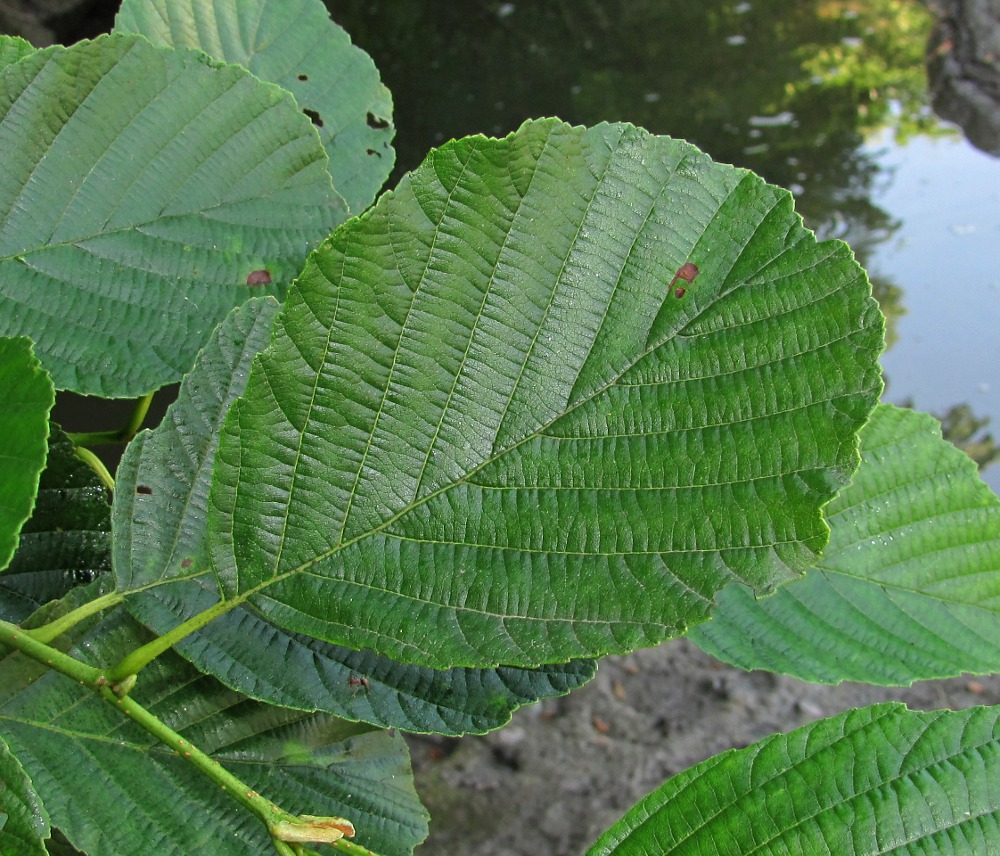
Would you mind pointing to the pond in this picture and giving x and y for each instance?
(828, 98)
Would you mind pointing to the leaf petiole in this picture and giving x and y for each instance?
(97, 465)
(47, 632)
(120, 435)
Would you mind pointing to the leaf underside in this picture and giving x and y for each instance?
(24, 825)
(295, 45)
(908, 587)
(487, 430)
(142, 188)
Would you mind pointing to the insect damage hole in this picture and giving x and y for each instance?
(377, 123)
(314, 117)
(144, 489)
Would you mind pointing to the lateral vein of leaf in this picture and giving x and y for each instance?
(395, 355)
(487, 291)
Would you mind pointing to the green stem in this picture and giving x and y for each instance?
(119, 435)
(134, 662)
(282, 826)
(47, 632)
(97, 465)
(14, 637)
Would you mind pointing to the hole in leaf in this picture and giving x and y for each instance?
(259, 277)
(377, 123)
(303, 77)
(373, 152)
(314, 117)
(144, 489)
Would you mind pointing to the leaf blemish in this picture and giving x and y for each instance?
(314, 117)
(259, 277)
(144, 489)
(186, 563)
(687, 272)
(303, 77)
(377, 123)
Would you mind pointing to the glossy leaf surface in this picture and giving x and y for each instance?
(24, 426)
(142, 189)
(909, 585)
(489, 431)
(881, 779)
(296, 45)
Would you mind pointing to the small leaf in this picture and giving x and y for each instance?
(67, 540)
(24, 427)
(141, 187)
(484, 432)
(881, 779)
(307, 763)
(296, 45)
(909, 585)
(24, 825)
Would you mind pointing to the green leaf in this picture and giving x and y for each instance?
(143, 187)
(65, 735)
(881, 779)
(265, 662)
(67, 539)
(296, 45)
(160, 534)
(24, 825)
(909, 585)
(488, 431)
(24, 427)
(13, 49)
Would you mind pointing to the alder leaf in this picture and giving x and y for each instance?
(908, 587)
(877, 780)
(296, 45)
(24, 825)
(491, 428)
(160, 545)
(146, 192)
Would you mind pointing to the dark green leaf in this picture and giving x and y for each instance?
(160, 534)
(878, 780)
(909, 585)
(24, 825)
(143, 189)
(24, 426)
(296, 45)
(488, 431)
(67, 539)
(65, 735)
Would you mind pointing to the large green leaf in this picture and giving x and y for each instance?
(24, 825)
(160, 534)
(487, 430)
(878, 780)
(296, 45)
(146, 191)
(909, 585)
(66, 737)
(24, 427)
(67, 539)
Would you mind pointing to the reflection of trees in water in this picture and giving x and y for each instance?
(791, 91)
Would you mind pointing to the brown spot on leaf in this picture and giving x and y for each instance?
(186, 563)
(259, 277)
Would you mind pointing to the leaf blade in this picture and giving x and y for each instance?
(908, 586)
(522, 303)
(24, 423)
(24, 824)
(295, 45)
(874, 780)
(135, 221)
